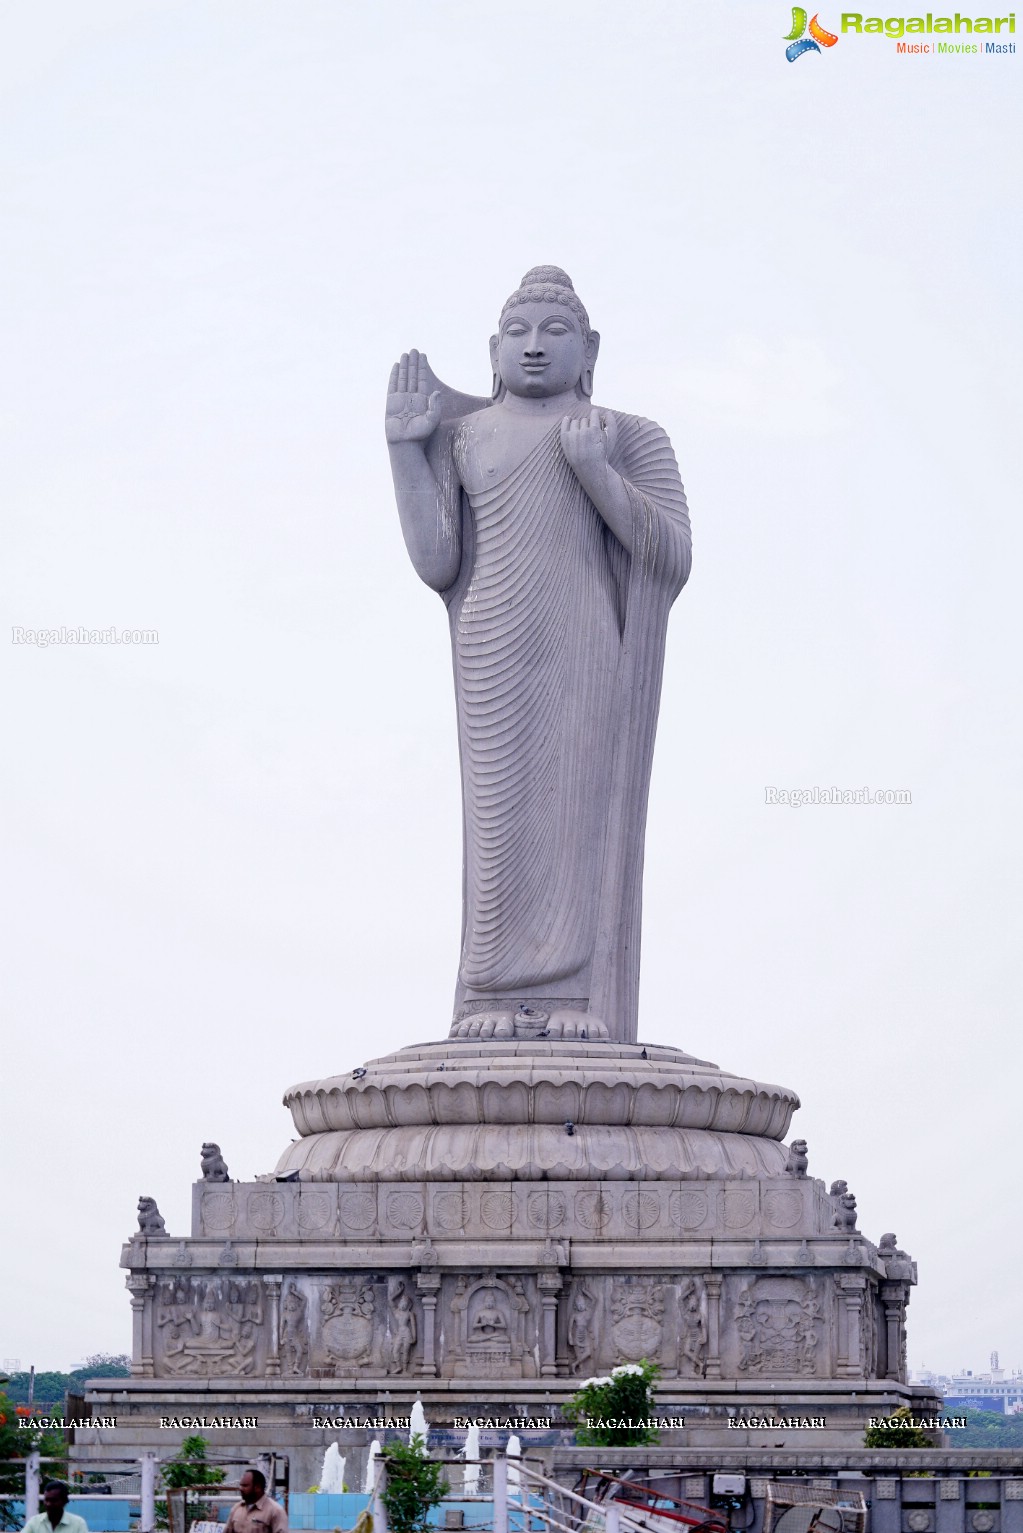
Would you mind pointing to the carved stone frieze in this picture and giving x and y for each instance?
(692, 1338)
(402, 1326)
(580, 1330)
(546, 1210)
(778, 1323)
(783, 1210)
(594, 1211)
(294, 1345)
(450, 1211)
(641, 1210)
(689, 1210)
(347, 1322)
(637, 1310)
(218, 1211)
(738, 1208)
(405, 1210)
(491, 1331)
(265, 1212)
(317, 1212)
(209, 1327)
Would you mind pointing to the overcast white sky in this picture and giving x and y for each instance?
(232, 861)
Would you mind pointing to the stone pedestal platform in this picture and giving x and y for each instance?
(488, 1223)
(533, 1109)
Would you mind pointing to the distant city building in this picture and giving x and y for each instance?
(995, 1390)
(12, 1365)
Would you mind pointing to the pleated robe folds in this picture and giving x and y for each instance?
(558, 644)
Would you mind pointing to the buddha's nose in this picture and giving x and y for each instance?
(534, 349)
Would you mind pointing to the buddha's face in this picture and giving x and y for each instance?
(541, 351)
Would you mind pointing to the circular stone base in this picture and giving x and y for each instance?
(466, 1109)
(529, 1152)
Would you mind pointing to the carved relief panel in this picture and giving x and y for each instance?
(637, 1319)
(209, 1327)
(337, 1324)
(348, 1323)
(580, 1328)
(692, 1328)
(403, 1325)
(294, 1332)
(489, 1329)
(778, 1327)
(605, 1320)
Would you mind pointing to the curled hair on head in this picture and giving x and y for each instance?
(549, 284)
(259, 1478)
(57, 1485)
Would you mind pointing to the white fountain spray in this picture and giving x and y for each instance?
(514, 1453)
(418, 1425)
(332, 1475)
(471, 1475)
(369, 1484)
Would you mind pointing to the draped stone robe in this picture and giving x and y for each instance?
(558, 644)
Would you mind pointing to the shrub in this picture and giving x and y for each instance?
(188, 1471)
(612, 1411)
(415, 1484)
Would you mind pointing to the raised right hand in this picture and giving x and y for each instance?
(412, 414)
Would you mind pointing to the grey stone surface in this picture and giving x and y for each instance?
(742, 1282)
(212, 1163)
(537, 1109)
(150, 1218)
(557, 534)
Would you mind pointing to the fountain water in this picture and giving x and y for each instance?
(419, 1426)
(369, 1483)
(471, 1476)
(332, 1475)
(514, 1453)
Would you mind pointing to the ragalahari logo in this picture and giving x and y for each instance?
(798, 43)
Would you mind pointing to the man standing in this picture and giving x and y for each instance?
(56, 1515)
(255, 1512)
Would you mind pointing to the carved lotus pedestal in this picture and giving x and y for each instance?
(485, 1224)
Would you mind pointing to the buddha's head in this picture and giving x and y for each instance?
(544, 345)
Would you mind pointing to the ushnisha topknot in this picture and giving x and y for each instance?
(548, 284)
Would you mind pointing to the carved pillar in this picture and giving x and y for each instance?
(712, 1283)
(894, 1296)
(273, 1355)
(138, 1285)
(549, 1283)
(428, 1284)
(851, 1287)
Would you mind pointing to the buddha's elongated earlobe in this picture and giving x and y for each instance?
(586, 376)
(496, 387)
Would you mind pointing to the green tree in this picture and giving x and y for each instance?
(189, 1471)
(986, 1429)
(50, 1388)
(101, 1365)
(613, 1411)
(415, 1484)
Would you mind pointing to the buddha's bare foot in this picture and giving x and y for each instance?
(486, 1025)
(575, 1024)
